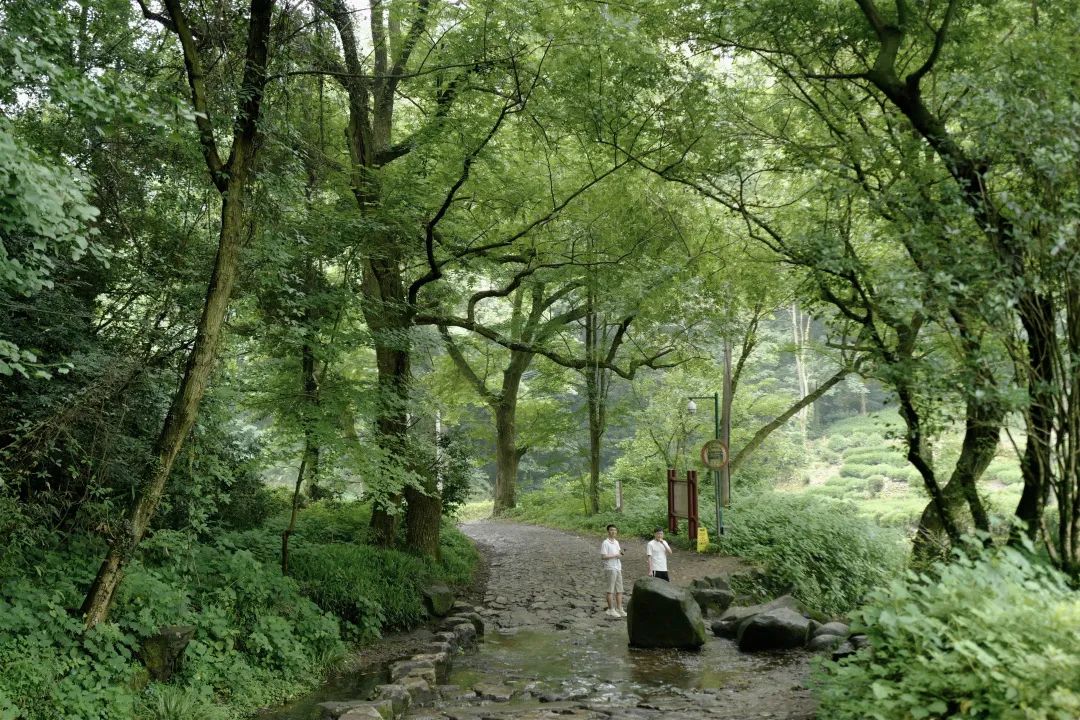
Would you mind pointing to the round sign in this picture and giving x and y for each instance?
(714, 454)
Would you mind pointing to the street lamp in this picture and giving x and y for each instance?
(722, 432)
(691, 407)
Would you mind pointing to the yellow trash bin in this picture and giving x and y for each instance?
(702, 539)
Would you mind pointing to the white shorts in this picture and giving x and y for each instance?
(614, 580)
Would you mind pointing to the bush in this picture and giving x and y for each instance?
(1006, 472)
(994, 637)
(874, 484)
(875, 456)
(820, 549)
(859, 471)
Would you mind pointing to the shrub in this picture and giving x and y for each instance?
(365, 587)
(875, 456)
(828, 490)
(996, 637)
(1006, 472)
(820, 549)
(858, 470)
(874, 484)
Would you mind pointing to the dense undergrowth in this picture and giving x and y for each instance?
(260, 637)
(814, 548)
(994, 636)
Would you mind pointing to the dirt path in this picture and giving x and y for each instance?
(549, 640)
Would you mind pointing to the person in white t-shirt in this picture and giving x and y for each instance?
(611, 553)
(658, 550)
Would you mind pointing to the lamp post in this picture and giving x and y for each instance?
(691, 407)
(722, 432)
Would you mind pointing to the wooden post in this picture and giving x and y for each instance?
(672, 521)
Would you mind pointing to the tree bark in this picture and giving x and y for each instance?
(981, 434)
(506, 455)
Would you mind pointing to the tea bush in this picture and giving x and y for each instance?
(992, 637)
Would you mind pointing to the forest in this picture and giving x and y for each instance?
(289, 288)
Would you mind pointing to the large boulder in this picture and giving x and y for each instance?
(662, 615)
(777, 629)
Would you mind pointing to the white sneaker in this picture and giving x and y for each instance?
(612, 612)
(622, 613)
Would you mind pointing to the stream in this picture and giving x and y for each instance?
(551, 652)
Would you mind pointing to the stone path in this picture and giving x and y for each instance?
(550, 651)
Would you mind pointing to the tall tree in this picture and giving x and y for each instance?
(231, 177)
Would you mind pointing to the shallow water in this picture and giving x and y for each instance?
(601, 663)
(345, 687)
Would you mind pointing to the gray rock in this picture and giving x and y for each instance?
(712, 600)
(438, 599)
(476, 620)
(454, 693)
(777, 629)
(397, 695)
(843, 651)
(833, 628)
(726, 628)
(460, 606)
(163, 652)
(438, 647)
(663, 615)
(824, 642)
(446, 636)
(711, 583)
(859, 641)
(335, 709)
(402, 668)
(421, 691)
(493, 693)
(440, 661)
(465, 633)
(370, 710)
(740, 613)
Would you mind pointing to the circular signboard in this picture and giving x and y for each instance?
(714, 454)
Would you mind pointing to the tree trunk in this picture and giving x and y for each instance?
(391, 423)
(1037, 316)
(982, 430)
(800, 330)
(182, 413)
(423, 516)
(506, 455)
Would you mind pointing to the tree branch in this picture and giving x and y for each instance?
(764, 432)
(197, 82)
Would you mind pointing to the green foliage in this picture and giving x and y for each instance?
(993, 636)
(815, 548)
(556, 505)
(368, 588)
(259, 639)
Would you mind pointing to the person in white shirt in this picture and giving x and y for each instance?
(611, 553)
(658, 550)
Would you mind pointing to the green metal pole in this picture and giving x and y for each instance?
(716, 473)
